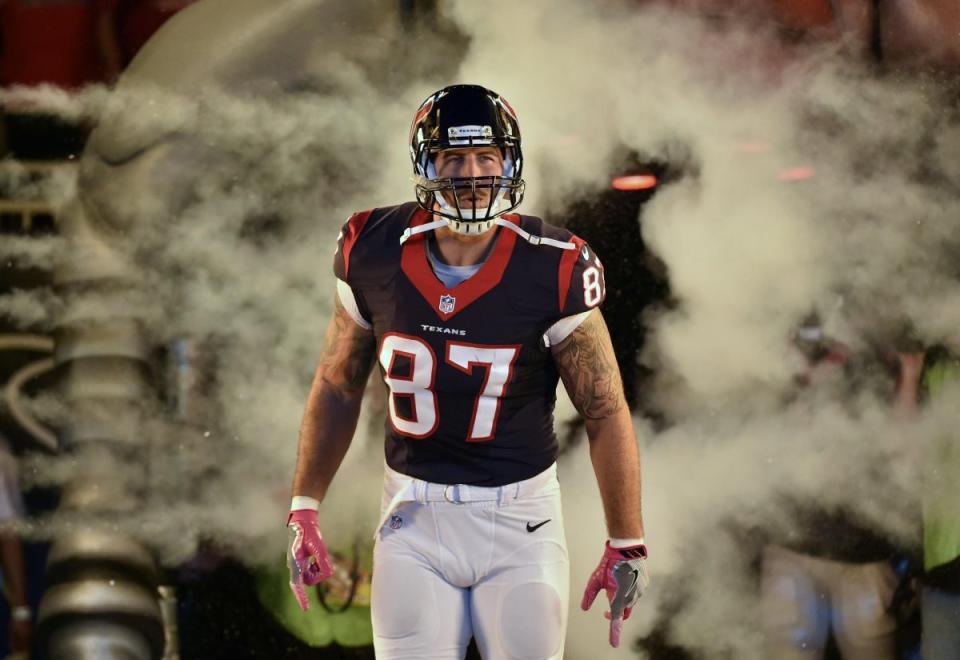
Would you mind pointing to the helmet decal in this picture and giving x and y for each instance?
(424, 110)
(469, 135)
(508, 107)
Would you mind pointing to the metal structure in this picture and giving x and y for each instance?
(101, 599)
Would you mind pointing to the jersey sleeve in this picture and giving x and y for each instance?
(348, 299)
(580, 282)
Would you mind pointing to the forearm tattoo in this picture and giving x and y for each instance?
(348, 352)
(589, 369)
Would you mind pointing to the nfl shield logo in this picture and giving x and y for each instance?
(447, 303)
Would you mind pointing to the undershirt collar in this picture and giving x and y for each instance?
(451, 276)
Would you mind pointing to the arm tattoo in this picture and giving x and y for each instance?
(348, 352)
(589, 369)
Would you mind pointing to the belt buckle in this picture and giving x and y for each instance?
(446, 496)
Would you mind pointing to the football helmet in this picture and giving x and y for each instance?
(462, 116)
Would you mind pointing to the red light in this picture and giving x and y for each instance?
(634, 182)
(797, 174)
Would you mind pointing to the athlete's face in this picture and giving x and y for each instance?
(469, 162)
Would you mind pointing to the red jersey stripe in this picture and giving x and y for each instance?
(567, 261)
(354, 227)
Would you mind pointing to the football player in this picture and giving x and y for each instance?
(472, 313)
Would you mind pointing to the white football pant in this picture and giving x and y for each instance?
(451, 562)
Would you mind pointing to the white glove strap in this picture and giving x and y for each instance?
(303, 502)
(625, 543)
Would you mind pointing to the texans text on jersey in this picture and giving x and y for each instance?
(443, 331)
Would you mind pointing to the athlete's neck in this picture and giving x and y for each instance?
(456, 249)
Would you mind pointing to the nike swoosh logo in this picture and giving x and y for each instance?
(631, 590)
(533, 528)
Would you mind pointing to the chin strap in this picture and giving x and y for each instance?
(410, 232)
(534, 240)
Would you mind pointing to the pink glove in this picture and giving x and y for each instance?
(307, 557)
(623, 573)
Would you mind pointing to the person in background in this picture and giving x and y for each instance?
(827, 574)
(927, 377)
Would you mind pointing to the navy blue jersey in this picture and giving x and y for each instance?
(471, 385)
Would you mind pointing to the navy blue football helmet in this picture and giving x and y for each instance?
(462, 116)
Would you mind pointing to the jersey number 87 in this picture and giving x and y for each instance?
(418, 386)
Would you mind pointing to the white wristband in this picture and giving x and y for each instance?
(625, 543)
(304, 502)
(21, 613)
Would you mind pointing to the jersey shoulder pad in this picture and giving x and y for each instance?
(576, 272)
(346, 241)
(368, 247)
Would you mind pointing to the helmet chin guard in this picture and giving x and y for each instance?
(470, 222)
(457, 117)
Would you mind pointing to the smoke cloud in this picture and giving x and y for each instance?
(810, 183)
